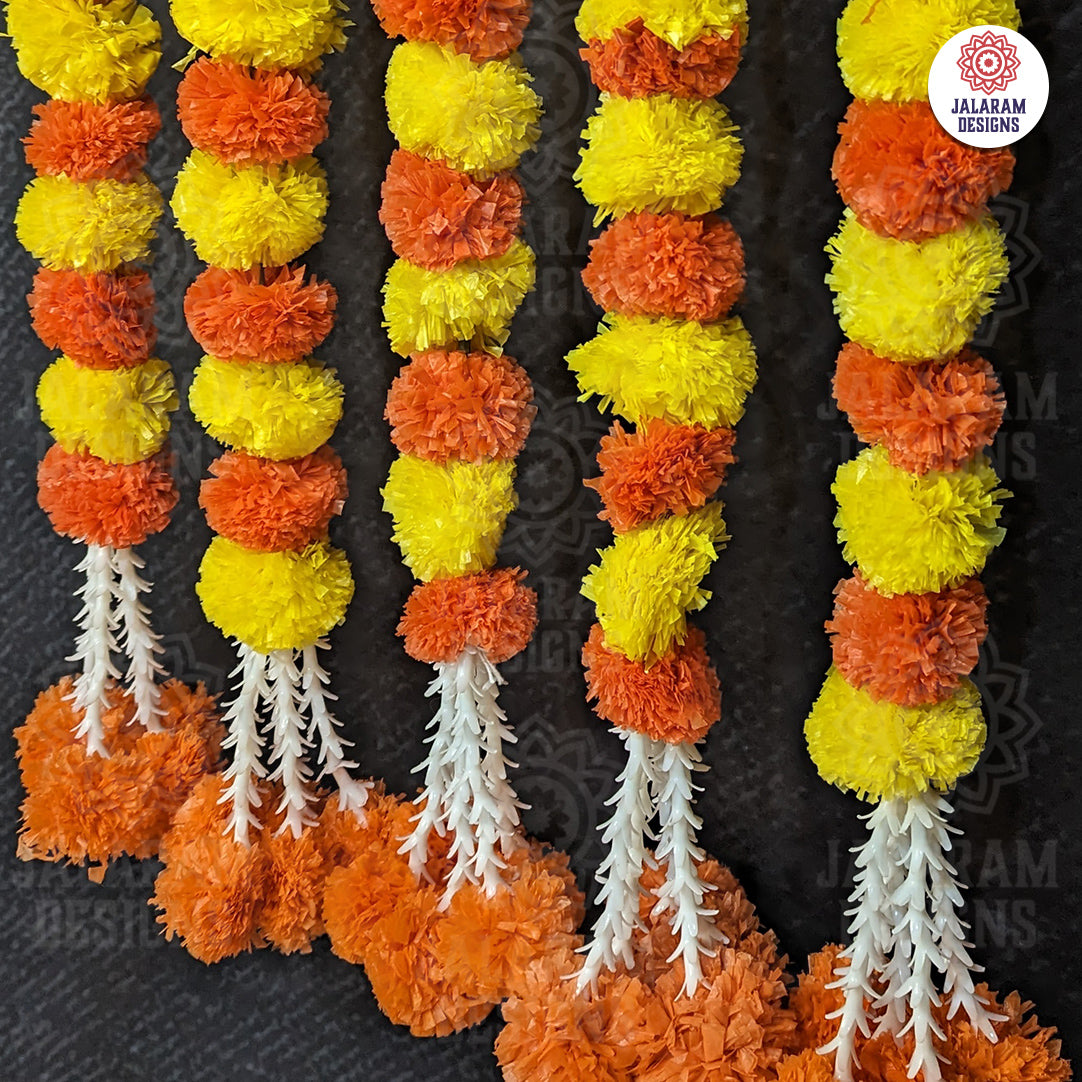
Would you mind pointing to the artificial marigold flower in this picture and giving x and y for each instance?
(491, 610)
(658, 469)
(436, 216)
(677, 698)
(104, 503)
(271, 506)
(99, 320)
(88, 141)
(468, 406)
(264, 314)
(909, 648)
(635, 63)
(81, 807)
(667, 265)
(906, 177)
(250, 115)
(931, 416)
(483, 29)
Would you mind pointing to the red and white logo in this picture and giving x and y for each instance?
(989, 62)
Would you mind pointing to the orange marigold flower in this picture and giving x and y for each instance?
(81, 807)
(470, 406)
(808, 1066)
(87, 141)
(1023, 1049)
(904, 176)
(659, 468)
(910, 648)
(676, 699)
(222, 897)
(260, 314)
(483, 29)
(101, 503)
(99, 320)
(635, 63)
(935, 415)
(436, 216)
(667, 265)
(271, 505)
(247, 115)
(491, 610)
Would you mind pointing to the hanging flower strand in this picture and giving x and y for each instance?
(448, 911)
(678, 979)
(260, 838)
(107, 757)
(916, 264)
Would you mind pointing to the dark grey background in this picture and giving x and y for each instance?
(91, 992)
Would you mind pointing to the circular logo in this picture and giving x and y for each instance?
(988, 86)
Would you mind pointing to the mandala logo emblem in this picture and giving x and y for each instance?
(989, 62)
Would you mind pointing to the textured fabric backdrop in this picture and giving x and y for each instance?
(93, 993)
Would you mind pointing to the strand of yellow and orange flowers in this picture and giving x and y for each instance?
(916, 264)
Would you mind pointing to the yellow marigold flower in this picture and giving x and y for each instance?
(237, 217)
(263, 33)
(271, 410)
(479, 118)
(683, 372)
(448, 518)
(274, 600)
(915, 300)
(475, 299)
(85, 50)
(886, 47)
(880, 751)
(911, 534)
(93, 226)
(649, 580)
(118, 414)
(679, 22)
(658, 153)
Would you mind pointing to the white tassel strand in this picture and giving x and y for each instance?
(289, 743)
(682, 892)
(626, 834)
(242, 721)
(94, 646)
(138, 639)
(331, 756)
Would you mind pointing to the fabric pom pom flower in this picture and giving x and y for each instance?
(468, 406)
(271, 506)
(482, 29)
(491, 611)
(667, 265)
(269, 315)
(87, 141)
(930, 416)
(102, 503)
(679, 22)
(99, 320)
(909, 649)
(436, 216)
(247, 116)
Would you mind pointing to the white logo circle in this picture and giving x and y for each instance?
(988, 86)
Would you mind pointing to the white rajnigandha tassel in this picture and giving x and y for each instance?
(138, 640)
(626, 834)
(466, 790)
(905, 929)
(331, 757)
(683, 890)
(289, 743)
(94, 646)
(242, 720)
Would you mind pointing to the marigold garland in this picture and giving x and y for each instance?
(447, 903)
(916, 263)
(248, 855)
(104, 766)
